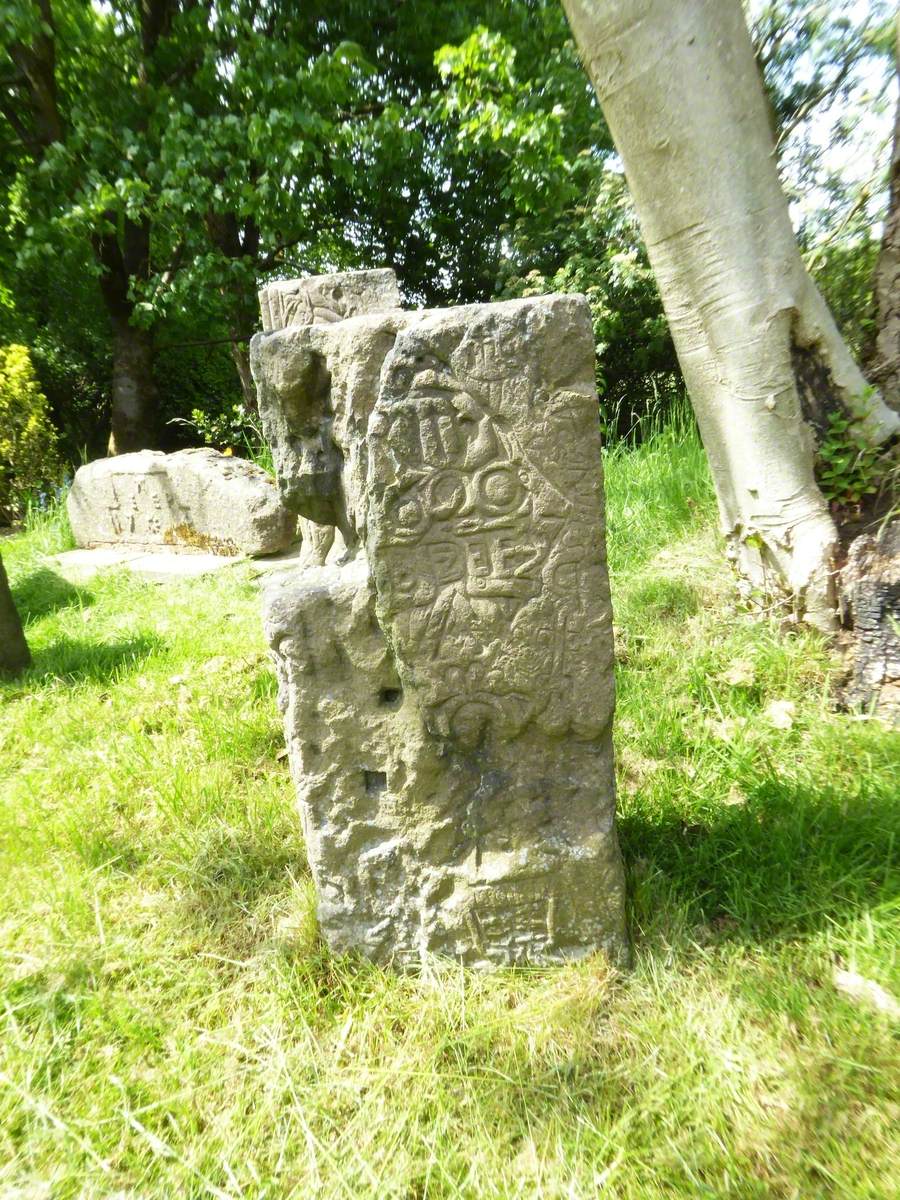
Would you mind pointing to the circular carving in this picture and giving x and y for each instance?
(446, 493)
(499, 488)
(470, 721)
(407, 516)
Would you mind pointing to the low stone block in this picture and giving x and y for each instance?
(448, 684)
(323, 299)
(193, 501)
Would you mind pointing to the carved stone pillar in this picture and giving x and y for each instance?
(448, 685)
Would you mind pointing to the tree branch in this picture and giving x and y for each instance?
(266, 263)
(224, 341)
(37, 67)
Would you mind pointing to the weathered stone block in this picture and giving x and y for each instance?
(869, 589)
(316, 390)
(323, 299)
(194, 500)
(448, 686)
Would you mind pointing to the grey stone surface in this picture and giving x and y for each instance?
(447, 683)
(196, 501)
(323, 299)
(869, 589)
(316, 389)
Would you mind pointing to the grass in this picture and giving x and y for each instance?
(171, 1026)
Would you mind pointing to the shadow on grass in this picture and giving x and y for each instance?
(71, 660)
(789, 861)
(44, 592)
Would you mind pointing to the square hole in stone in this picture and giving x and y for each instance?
(375, 781)
(390, 696)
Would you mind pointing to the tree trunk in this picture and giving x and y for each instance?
(134, 409)
(884, 365)
(134, 401)
(239, 241)
(241, 360)
(14, 655)
(761, 355)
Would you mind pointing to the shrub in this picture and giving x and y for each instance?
(848, 468)
(28, 443)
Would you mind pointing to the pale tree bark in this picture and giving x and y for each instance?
(884, 364)
(14, 655)
(761, 355)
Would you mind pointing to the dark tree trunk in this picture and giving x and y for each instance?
(30, 104)
(14, 655)
(134, 402)
(36, 63)
(240, 243)
(134, 423)
(241, 360)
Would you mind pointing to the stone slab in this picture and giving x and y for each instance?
(169, 566)
(325, 299)
(869, 590)
(161, 566)
(193, 501)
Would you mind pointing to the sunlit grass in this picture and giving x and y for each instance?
(171, 1026)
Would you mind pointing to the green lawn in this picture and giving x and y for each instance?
(170, 1026)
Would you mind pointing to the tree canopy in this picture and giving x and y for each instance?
(158, 160)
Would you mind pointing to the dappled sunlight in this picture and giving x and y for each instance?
(169, 1000)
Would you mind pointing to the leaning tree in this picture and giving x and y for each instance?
(769, 375)
(14, 656)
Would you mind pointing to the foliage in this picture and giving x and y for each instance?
(458, 143)
(827, 67)
(829, 70)
(843, 267)
(57, 313)
(28, 455)
(170, 1024)
(577, 230)
(284, 138)
(848, 467)
(221, 430)
(281, 139)
(236, 429)
(193, 370)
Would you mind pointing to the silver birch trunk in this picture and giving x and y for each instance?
(761, 355)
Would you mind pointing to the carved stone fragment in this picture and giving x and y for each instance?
(316, 389)
(447, 684)
(870, 598)
(194, 500)
(323, 299)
